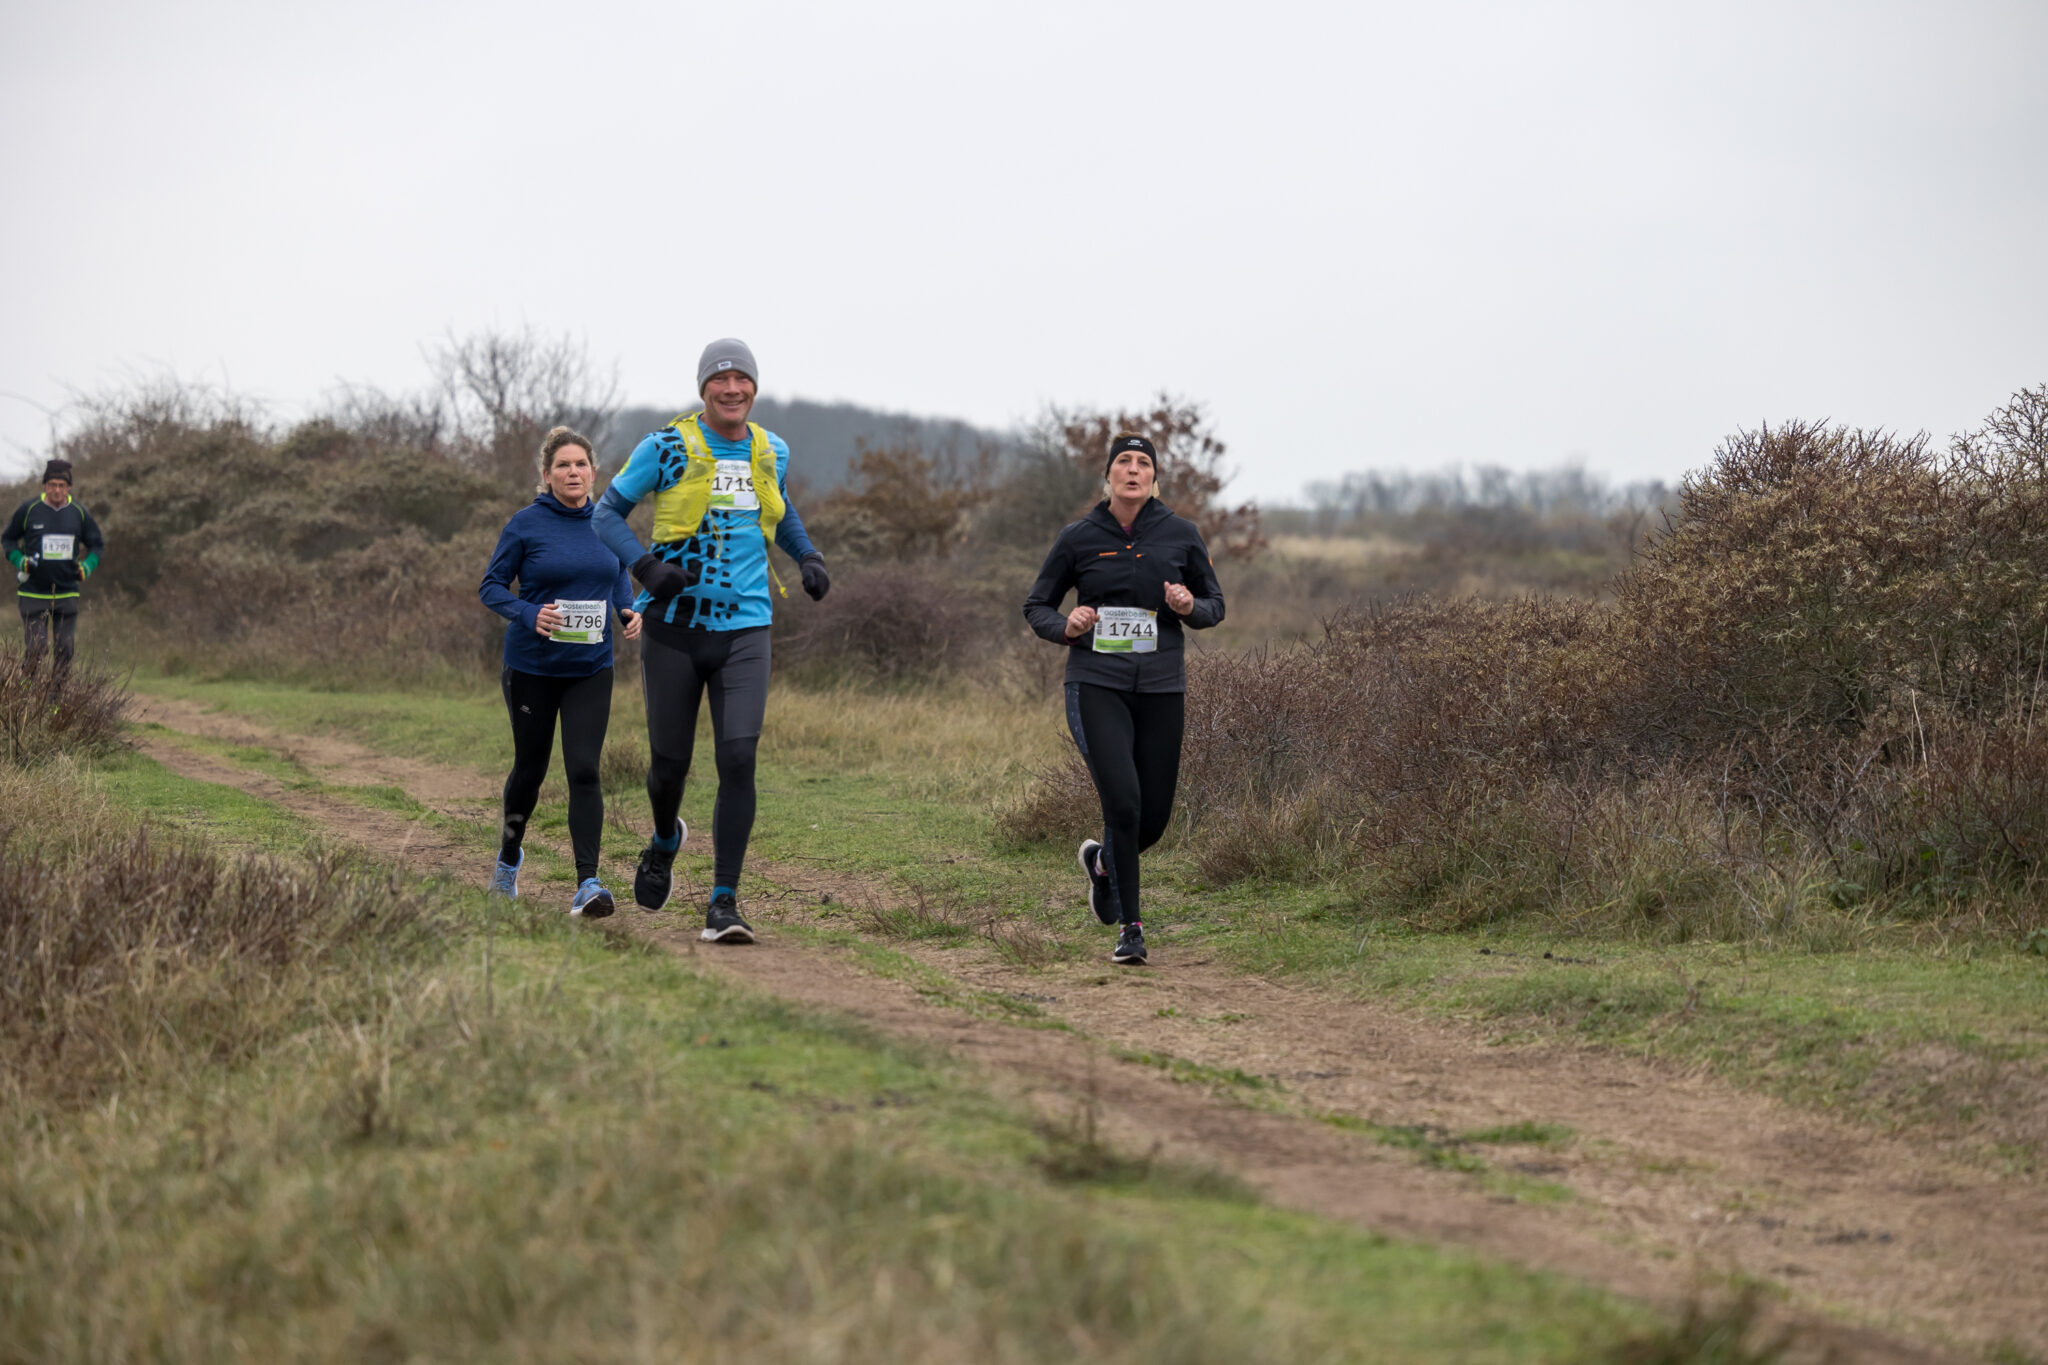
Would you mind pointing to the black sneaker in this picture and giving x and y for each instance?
(1101, 891)
(651, 882)
(722, 922)
(1130, 946)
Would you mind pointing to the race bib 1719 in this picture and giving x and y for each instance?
(732, 487)
(582, 623)
(1126, 630)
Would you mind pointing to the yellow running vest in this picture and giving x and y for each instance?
(679, 509)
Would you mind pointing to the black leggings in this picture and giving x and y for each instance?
(1131, 741)
(678, 666)
(43, 621)
(585, 705)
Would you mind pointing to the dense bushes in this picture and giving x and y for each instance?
(1815, 690)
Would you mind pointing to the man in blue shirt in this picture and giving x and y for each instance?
(719, 485)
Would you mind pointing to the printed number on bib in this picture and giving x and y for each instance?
(582, 623)
(1126, 630)
(732, 487)
(56, 547)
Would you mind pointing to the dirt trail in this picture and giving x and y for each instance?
(1674, 1176)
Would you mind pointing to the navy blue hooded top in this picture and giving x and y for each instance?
(555, 554)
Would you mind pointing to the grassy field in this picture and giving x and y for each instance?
(1886, 1027)
(510, 1138)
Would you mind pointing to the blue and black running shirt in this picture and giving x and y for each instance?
(732, 588)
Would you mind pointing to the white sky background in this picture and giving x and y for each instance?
(1367, 236)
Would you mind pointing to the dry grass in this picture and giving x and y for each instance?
(42, 715)
(976, 746)
(123, 958)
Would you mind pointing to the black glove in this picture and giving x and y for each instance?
(663, 579)
(816, 581)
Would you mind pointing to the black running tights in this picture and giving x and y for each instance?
(44, 622)
(585, 706)
(678, 669)
(1131, 741)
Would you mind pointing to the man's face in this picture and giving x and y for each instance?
(56, 492)
(728, 398)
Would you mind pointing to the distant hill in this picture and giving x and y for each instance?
(823, 437)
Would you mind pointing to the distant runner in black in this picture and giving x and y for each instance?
(54, 545)
(1141, 577)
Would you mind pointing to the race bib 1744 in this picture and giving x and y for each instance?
(732, 487)
(1126, 630)
(56, 547)
(582, 623)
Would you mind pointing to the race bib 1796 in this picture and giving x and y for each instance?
(582, 623)
(56, 547)
(732, 487)
(1126, 630)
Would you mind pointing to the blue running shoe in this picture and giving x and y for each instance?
(592, 900)
(505, 881)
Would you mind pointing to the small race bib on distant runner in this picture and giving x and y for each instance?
(1126, 630)
(732, 487)
(582, 622)
(57, 547)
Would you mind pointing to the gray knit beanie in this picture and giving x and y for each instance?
(727, 353)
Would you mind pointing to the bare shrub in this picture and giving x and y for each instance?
(1055, 475)
(501, 391)
(43, 714)
(1192, 472)
(1059, 803)
(890, 623)
(902, 502)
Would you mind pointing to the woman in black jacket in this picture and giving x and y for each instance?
(1141, 577)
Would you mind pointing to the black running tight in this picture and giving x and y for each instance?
(678, 668)
(585, 705)
(1131, 741)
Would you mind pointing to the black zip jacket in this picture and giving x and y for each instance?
(24, 542)
(1103, 567)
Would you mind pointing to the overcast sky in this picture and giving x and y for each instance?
(1366, 235)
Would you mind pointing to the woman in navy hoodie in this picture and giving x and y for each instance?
(558, 656)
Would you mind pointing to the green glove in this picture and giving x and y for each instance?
(16, 558)
(87, 565)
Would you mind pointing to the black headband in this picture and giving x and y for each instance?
(1123, 443)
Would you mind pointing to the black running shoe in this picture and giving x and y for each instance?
(651, 883)
(1130, 946)
(1101, 891)
(722, 922)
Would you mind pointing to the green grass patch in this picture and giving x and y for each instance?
(1523, 1133)
(1195, 1073)
(182, 805)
